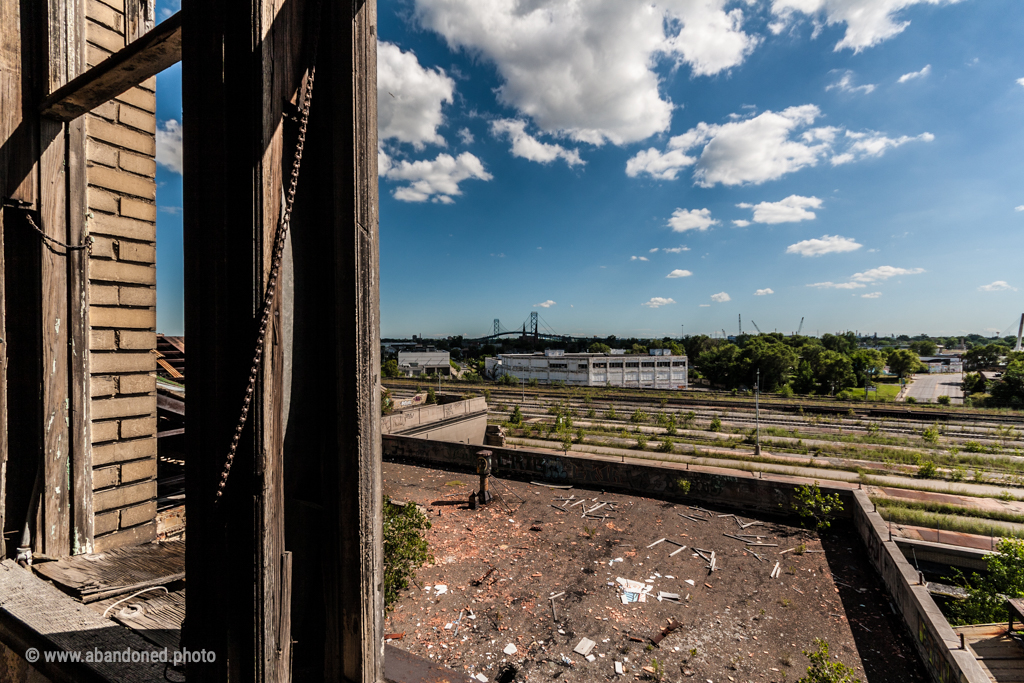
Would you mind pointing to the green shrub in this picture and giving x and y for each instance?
(931, 434)
(405, 549)
(567, 442)
(926, 470)
(973, 447)
(683, 485)
(638, 417)
(431, 396)
(809, 501)
(611, 414)
(716, 424)
(641, 442)
(986, 602)
(786, 391)
(824, 670)
(670, 428)
(665, 446)
(517, 416)
(911, 399)
(845, 395)
(943, 400)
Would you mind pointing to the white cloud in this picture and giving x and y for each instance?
(915, 74)
(871, 295)
(826, 245)
(884, 273)
(838, 285)
(720, 298)
(1019, 208)
(692, 219)
(651, 251)
(528, 147)
(1020, 81)
(169, 146)
(638, 258)
(676, 250)
(792, 209)
(868, 22)
(409, 97)
(586, 69)
(867, 145)
(703, 305)
(466, 136)
(679, 273)
(657, 301)
(436, 180)
(545, 304)
(997, 286)
(741, 223)
(845, 84)
(764, 292)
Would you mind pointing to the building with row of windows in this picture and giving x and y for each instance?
(658, 370)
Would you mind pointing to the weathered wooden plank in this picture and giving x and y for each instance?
(149, 55)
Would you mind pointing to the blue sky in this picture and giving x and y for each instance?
(630, 167)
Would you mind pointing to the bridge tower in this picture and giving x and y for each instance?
(497, 326)
(533, 323)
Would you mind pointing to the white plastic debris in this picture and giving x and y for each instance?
(448, 626)
(510, 649)
(482, 678)
(691, 582)
(440, 589)
(590, 658)
(584, 646)
(618, 668)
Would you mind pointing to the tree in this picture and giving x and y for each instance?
(833, 372)
(924, 347)
(903, 363)
(431, 396)
(516, 417)
(774, 359)
(390, 369)
(598, 347)
(639, 350)
(866, 364)
(973, 383)
(985, 603)
(809, 501)
(981, 357)
(719, 364)
(1010, 387)
(841, 343)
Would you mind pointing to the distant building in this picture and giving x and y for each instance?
(658, 370)
(424, 361)
(943, 363)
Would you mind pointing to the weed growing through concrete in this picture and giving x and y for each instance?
(405, 549)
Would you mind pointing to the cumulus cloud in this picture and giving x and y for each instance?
(871, 295)
(1020, 81)
(691, 219)
(838, 285)
(764, 292)
(528, 147)
(679, 273)
(720, 298)
(884, 273)
(997, 286)
(169, 146)
(868, 22)
(657, 301)
(436, 180)
(741, 223)
(676, 250)
(915, 74)
(845, 84)
(760, 148)
(1019, 208)
(545, 304)
(792, 209)
(466, 136)
(586, 69)
(638, 258)
(826, 245)
(866, 145)
(409, 98)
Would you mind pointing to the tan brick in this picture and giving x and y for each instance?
(122, 496)
(107, 110)
(138, 470)
(106, 16)
(119, 451)
(138, 296)
(102, 340)
(120, 181)
(133, 208)
(127, 339)
(105, 477)
(149, 84)
(134, 251)
(138, 164)
(136, 535)
(138, 514)
(117, 5)
(137, 384)
(106, 522)
(123, 407)
(137, 97)
(103, 431)
(122, 136)
(94, 55)
(113, 271)
(136, 118)
(102, 247)
(101, 200)
(103, 295)
(103, 224)
(98, 153)
(141, 426)
(102, 386)
(144, 318)
(122, 362)
(97, 34)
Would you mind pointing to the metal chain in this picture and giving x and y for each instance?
(86, 243)
(275, 268)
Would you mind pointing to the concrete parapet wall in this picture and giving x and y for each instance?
(460, 422)
(937, 644)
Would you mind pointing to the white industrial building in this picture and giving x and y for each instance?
(424, 361)
(659, 370)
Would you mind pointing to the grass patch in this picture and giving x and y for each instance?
(947, 509)
(931, 520)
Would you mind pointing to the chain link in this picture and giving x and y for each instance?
(86, 243)
(275, 268)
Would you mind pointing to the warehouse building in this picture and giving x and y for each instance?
(658, 370)
(424, 361)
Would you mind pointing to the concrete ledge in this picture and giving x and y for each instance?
(943, 553)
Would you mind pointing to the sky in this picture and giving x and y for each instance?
(663, 167)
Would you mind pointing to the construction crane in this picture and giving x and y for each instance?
(801, 328)
(755, 326)
(725, 335)
(739, 318)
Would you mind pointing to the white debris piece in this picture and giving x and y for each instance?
(440, 589)
(618, 668)
(482, 678)
(584, 646)
(691, 582)
(510, 649)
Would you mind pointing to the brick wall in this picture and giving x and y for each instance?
(121, 167)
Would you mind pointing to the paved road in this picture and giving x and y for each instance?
(928, 387)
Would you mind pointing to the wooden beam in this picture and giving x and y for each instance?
(145, 57)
